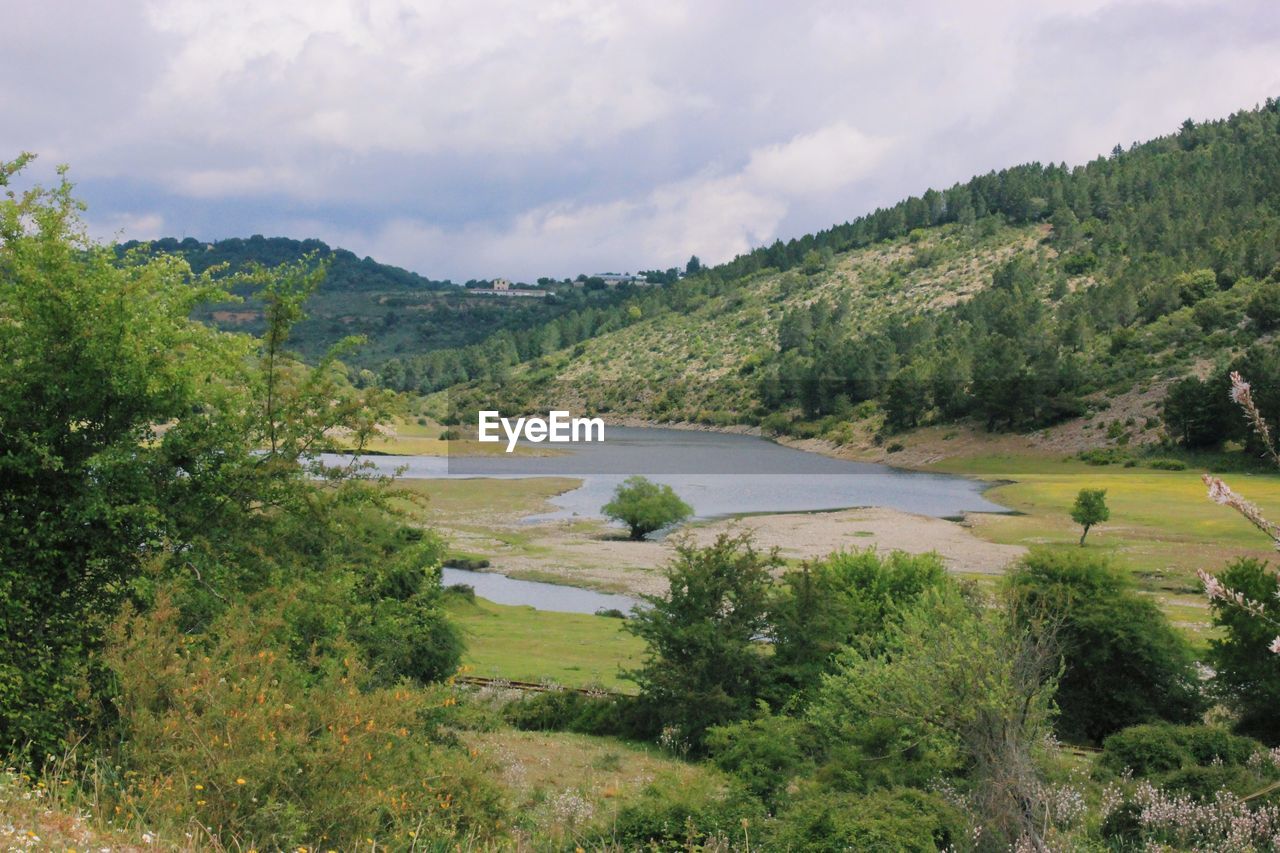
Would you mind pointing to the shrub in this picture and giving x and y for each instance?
(229, 729)
(764, 754)
(896, 819)
(1158, 748)
(570, 711)
(675, 814)
(645, 506)
(852, 597)
(1167, 464)
(1123, 662)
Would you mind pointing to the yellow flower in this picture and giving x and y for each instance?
(240, 781)
(199, 787)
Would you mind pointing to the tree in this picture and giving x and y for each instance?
(705, 664)
(1089, 509)
(145, 455)
(646, 506)
(849, 598)
(966, 690)
(1122, 662)
(694, 266)
(1263, 307)
(1246, 658)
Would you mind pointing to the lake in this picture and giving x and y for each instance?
(718, 474)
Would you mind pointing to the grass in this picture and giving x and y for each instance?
(34, 818)
(524, 644)
(561, 783)
(1162, 526)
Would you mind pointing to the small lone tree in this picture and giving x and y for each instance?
(1089, 509)
(645, 506)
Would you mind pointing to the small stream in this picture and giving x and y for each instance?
(557, 598)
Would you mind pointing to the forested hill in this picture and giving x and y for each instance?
(1017, 300)
(346, 270)
(400, 313)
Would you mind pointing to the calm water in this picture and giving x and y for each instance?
(501, 589)
(718, 474)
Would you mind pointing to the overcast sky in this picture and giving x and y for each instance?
(520, 139)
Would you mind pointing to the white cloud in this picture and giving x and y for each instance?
(517, 138)
(129, 226)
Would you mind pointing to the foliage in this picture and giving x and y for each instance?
(570, 711)
(963, 686)
(1122, 662)
(1156, 748)
(1089, 509)
(847, 598)
(764, 753)
(672, 815)
(889, 819)
(1246, 667)
(704, 665)
(279, 617)
(94, 357)
(233, 731)
(645, 506)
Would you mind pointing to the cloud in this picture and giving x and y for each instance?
(526, 139)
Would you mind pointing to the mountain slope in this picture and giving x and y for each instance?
(1023, 299)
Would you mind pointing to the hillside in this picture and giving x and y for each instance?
(1049, 301)
(397, 311)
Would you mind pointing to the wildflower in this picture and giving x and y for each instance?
(240, 781)
(1275, 646)
(199, 787)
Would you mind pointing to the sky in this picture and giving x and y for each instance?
(524, 139)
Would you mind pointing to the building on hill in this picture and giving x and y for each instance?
(501, 284)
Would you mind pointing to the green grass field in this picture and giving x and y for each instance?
(1162, 527)
(524, 644)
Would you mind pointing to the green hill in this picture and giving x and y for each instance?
(399, 312)
(1023, 299)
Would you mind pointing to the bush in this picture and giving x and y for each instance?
(1102, 456)
(764, 754)
(229, 729)
(1167, 464)
(1147, 750)
(896, 819)
(1159, 748)
(570, 711)
(672, 815)
(645, 506)
(1124, 663)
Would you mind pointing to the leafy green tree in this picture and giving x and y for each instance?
(1246, 667)
(964, 691)
(1263, 307)
(94, 356)
(146, 455)
(849, 598)
(1198, 413)
(705, 664)
(1123, 663)
(645, 506)
(1089, 509)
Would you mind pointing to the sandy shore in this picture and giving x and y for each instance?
(595, 555)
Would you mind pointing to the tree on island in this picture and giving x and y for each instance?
(1089, 509)
(645, 506)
